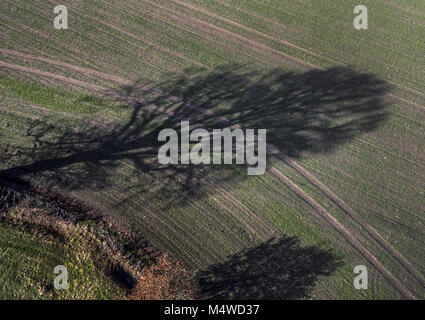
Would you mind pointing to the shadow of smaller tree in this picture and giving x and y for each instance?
(277, 269)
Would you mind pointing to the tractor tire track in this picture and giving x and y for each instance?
(84, 71)
(298, 62)
(357, 218)
(274, 151)
(172, 225)
(51, 75)
(345, 233)
(241, 26)
(225, 34)
(287, 43)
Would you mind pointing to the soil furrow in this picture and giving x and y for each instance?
(271, 150)
(341, 204)
(345, 233)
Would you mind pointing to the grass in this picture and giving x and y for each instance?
(204, 218)
(54, 99)
(28, 259)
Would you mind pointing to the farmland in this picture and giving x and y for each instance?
(81, 110)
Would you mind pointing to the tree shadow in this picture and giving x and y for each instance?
(315, 111)
(277, 269)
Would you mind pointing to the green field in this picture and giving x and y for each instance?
(81, 109)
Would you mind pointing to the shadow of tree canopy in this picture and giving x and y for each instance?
(277, 269)
(313, 111)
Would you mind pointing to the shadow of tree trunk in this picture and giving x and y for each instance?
(311, 112)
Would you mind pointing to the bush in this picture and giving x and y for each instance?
(165, 280)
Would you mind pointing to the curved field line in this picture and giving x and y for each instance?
(171, 225)
(284, 42)
(139, 38)
(210, 28)
(85, 71)
(163, 49)
(334, 198)
(342, 205)
(41, 34)
(204, 37)
(52, 76)
(271, 150)
(142, 39)
(344, 232)
(340, 56)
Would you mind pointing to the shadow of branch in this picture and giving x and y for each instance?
(303, 113)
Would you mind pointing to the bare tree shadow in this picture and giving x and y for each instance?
(304, 113)
(277, 269)
(314, 111)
